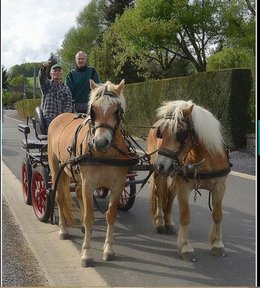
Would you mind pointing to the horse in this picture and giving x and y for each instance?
(189, 154)
(94, 153)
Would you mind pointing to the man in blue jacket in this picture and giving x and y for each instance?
(78, 82)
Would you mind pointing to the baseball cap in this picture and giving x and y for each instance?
(55, 66)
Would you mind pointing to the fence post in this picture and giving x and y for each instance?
(24, 88)
(34, 83)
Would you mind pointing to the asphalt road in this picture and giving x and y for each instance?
(145, 258)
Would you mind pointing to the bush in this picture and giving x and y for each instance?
(10, 98)
(230, 58)
(26, 108)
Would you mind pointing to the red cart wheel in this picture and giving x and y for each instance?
(127, 198)
(26, 181)
(40, 198)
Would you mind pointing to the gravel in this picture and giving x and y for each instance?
(243, 161)
(19, 265)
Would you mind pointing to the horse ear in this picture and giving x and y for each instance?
(120, 87)
(187, 111)
(92, 84)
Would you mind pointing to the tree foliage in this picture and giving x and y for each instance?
(26, 69)
(240, 25)
(86, 35)
(167, 30)
(114, 8)
(5, 78)
(230, 57)
(238, 46)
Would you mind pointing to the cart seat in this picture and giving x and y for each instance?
(40, 126)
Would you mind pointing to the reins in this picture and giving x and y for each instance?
(205, 175)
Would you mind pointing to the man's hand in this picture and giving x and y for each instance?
(46, 64)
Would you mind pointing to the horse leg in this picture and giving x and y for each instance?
(63, 185)
(169, 224)
(159, 188)
(108, 252)
(183, 243)
(81, 206)
(215, 236)
(88, 220)
(54, 167)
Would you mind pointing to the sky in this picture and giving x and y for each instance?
(31, 29)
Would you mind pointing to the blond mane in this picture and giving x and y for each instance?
(99, 98)
(206, 126)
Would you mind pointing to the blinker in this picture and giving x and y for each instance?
(182, 135)
(158, 133)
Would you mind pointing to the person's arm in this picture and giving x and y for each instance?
(69, 81)
(42, 78)
(96, 76)
(68, 101)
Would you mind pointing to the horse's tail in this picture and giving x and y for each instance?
(63, 195)
(68, 204)
(152, 196)
(159, 192)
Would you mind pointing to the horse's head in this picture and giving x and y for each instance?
(106, 108)
(173, 131)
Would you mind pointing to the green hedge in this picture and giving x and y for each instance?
(226, 93)
(26, 108)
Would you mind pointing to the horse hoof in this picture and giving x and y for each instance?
(218, 251)
(64, 236)
(188, 256)
(160, 229)
(87, 263)
(170, 229)
(109, 256)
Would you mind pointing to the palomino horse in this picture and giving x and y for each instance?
(191, 155)
(97, 156)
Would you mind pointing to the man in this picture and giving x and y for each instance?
(78, 82)
(56, 96)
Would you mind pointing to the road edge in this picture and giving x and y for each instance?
(59, 260)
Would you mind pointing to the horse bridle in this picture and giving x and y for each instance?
(181, 136)
(95, 125)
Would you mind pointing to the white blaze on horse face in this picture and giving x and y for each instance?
(104, 135)
(164, 165)
(102, 139)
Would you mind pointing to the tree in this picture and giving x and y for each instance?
(19, 81)
(25, 69)
(86, 35)
(129, 70)
(5, 79)
(240, 25)
(114, 8)
(168, 30)
(230, 58)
